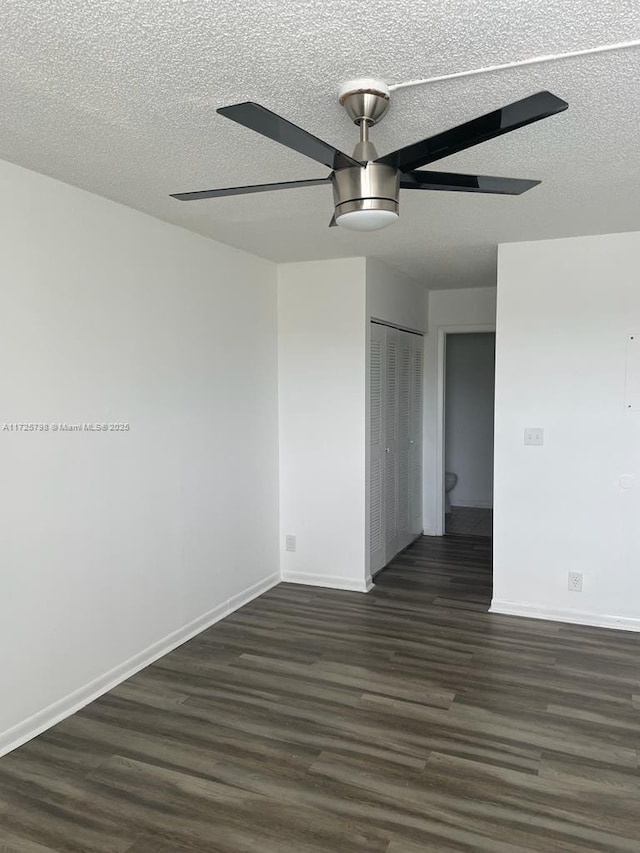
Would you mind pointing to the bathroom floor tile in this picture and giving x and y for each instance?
(469, 521)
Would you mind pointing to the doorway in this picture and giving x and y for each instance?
(469, 380)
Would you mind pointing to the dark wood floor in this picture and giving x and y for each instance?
(310, 721)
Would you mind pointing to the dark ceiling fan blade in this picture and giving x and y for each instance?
(254, 188)
(489, 126)
(451, 181)
(269, 124)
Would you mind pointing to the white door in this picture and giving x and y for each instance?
(377, 435)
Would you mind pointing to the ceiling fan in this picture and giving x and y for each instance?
(366, 187)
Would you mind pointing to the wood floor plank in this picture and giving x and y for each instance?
(11, 843)
(319, 721)
(63, 827)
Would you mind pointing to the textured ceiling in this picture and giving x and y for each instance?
(119, 98)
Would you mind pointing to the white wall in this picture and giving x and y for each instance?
(321, 360)
(565, 311)
(324, 309)
(469, 393)
(396, 299)
(449, 310)
(115, 546)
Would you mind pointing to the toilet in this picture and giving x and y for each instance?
(449, 482)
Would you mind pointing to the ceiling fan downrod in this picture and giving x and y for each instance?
(365, 197)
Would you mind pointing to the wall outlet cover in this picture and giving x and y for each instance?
(290, 542)
(575, 581)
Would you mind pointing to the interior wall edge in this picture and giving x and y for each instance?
(574, 617)
(66, 706)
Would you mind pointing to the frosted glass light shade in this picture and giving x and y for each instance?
(367, 220)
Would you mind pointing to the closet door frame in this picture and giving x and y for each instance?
(375, 455)
(416, 435)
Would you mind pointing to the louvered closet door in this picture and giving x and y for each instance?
(377, 435)
(415, 437)
(404, 353)
(395, 422)
(391, 439)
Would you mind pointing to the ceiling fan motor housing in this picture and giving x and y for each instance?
(373, 186)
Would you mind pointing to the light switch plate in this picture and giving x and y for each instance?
(534, 435)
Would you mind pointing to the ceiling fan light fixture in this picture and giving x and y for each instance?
(366, 219)
(366, 197)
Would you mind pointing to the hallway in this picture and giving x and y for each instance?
(408, 720)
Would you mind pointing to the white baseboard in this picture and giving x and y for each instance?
(574, 617)
(68, 705)
(330, 581)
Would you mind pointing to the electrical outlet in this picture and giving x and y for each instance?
(290, 542)
(575, 581)
(534, 435)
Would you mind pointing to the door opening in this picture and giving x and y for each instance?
(469, 380)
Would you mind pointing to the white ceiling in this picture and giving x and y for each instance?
(119, 97)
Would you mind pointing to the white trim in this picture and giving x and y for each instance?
(367, 452)
(440, 406)
(474, 504)
(443, 331)
(575, 617)
(330, 581)
(68, 705)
